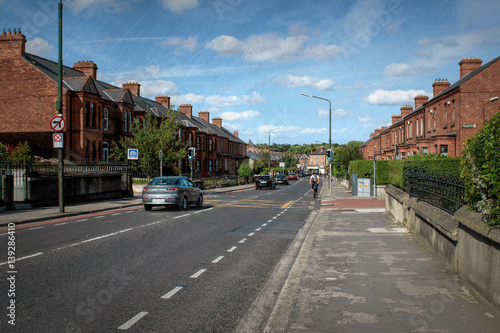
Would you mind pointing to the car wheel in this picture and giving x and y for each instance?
(183, 204)
(199, 204)
(147, 207)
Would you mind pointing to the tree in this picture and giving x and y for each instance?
(480, 165)
(245, 169)
(4, 155)
(22, 153)
(151, 136)
(345, 154)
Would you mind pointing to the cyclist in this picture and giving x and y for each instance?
(314, 181)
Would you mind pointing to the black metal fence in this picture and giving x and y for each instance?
(445, 192)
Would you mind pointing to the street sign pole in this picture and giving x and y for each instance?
(60, 176)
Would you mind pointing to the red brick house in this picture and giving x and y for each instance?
(441, 124)
(96, 113)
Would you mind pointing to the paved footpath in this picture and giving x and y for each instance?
(359, 271)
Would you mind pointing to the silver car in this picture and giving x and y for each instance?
(172, 191)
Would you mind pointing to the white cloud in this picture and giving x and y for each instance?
(272, 48)
(240, 116)
(39, 47)
(339, 113)
(98, 6)
(159, 87)
(190, 43)
(314, 130)
(305, 81)
(398, 69)
(179, 6)
(186, 99)
(393, 97)
(221, 101)
(364, 119)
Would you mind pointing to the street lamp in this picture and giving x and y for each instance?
(269, 147)
(329, 136)
(490, 100)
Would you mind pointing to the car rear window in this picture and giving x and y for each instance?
(263, 177)
(165, 181)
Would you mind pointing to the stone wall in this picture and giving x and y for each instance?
(465, 244)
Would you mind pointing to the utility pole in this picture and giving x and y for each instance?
(59, 112)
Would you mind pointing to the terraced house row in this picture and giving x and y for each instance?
(441, 124)
(96, 113)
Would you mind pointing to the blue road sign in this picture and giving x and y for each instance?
(133, 154)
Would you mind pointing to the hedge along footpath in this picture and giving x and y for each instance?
(481, 171)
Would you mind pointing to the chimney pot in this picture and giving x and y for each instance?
(87, 67)
(205, 115)
(134, 87)
(217, 121)
(187, 109)
(163, 99)
(468, 65)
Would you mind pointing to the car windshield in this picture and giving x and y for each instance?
(165, 181)
(264, 178)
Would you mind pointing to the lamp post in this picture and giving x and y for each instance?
(490, 100)
(269, 147)
(329, 137)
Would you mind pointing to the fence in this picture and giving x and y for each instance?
(21, 171)
(204, 183)
(445, 192)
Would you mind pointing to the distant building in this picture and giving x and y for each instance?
(96, 113)
(441, 124)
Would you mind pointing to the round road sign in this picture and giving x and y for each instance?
(57, 123)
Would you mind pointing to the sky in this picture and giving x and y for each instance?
(249, 61)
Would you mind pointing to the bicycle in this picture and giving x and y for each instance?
(315, 189)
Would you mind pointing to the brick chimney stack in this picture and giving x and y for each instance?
(235, 133)
(439, 86)
(87, 67)
(134, 87)
(406, 110)
(163, 99)
(205, 115)
(468, 65)
(396, 118)
(187, 109)
(420, 100)
(12, 44)
(217, 121)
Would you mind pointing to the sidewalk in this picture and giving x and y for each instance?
(48, 213)
(359, 271)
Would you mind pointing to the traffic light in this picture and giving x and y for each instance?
(190, 153)
(329, 154)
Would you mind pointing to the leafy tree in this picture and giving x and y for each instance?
(4, 155)
(22, 153)
(259, 166)
(480, 165)
(151, 136)
(344, 154)
(245, 169)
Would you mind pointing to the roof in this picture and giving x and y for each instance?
(318, 152)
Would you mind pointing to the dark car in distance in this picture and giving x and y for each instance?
(265, 181)
(282, 179)
(172, 191)
(292, 175)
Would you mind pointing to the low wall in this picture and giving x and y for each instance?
(44, 191)
(462, 241)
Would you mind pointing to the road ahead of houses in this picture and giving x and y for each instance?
(158, 271)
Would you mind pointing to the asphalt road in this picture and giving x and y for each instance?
(158, 271)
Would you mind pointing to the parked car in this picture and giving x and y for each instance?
(292, 175)
(265, 181)
(171, 191)
(282, 179)
(301, 174)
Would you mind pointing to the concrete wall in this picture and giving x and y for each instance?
(465, 244)
(44, 191)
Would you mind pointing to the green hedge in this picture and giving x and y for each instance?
(394, 171)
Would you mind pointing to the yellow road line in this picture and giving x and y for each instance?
(287, 204)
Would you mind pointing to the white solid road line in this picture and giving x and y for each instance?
(132, 321)
(197, 274)
(93, 239)
(172, 292)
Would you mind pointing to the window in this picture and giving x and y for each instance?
(444, 150)
(130, 121)
(424, 150)
(190, 139)
(198, 165)
(445, 114)
(198, 142)
(87, 114)
(434, 119)
(125, 122)
(453, 113)
(87, 150)
(92, 114)
(105, 151)
(106, 119)
(422, 126)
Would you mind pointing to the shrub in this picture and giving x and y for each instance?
(22, 153)
(245, 169)
(480, 171)
(4, 155)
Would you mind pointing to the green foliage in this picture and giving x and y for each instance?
(4, 155)
(480, 171)
(397, 175)
(364, 169)
(22, 153)
(344, 154)
(245, 169)
(151, 136)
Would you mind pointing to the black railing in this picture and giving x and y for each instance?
(48, 169)
(444, 192)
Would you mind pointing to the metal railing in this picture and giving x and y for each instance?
(444, 192)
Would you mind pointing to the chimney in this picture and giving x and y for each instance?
(205, 115)
(468, 65)
(312, 150)
(439, 86)
(134, 87)
(217, 121)
(406, 110)
(372, 134)
(187, 109)
(322, 148)
(420, 100)
(12, 44)
(395, 118)
(163, 99)
(87, 67)
(377, 131)
(235, 133)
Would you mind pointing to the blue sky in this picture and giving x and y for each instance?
(249, 61)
